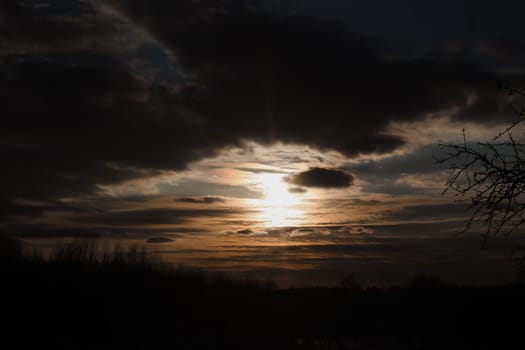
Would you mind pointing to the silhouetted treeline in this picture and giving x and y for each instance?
(123, 299)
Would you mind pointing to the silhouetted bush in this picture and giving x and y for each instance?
(422, 281)
(10, 249)
(87, 297)
(350, 283)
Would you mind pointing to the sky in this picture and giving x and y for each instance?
(285, 140)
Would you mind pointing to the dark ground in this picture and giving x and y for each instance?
(124, 300)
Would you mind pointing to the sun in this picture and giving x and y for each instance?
(276, 190)
(279, 207)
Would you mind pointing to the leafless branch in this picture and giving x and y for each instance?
(491, 176)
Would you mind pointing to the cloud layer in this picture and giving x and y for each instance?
(321, 177)
(78, 116)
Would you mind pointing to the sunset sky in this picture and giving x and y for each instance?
(289, 140)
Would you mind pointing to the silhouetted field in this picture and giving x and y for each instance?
(81, 298)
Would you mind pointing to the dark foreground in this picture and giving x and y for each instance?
(123, 300)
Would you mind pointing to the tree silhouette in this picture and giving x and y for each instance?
(350, 283)
(492, 176)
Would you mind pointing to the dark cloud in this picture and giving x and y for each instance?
(70, 116)
(58, 26)
(504, 54)
(297, 190)
(160, 239)
(24, 210)
(245, 232)
(189, 187)
(504, 49)
(419, 161)
(429, 212)
(391, 175)
(47, 231)
(157, 216)
(77, 116)
(368, 203)
(259, 170)
(253, 64)
(200, 200)
(321, 177)
(395, 188)
(413, 25)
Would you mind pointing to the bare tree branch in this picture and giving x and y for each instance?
(491, 175)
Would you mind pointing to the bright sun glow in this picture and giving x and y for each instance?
(279, 207)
